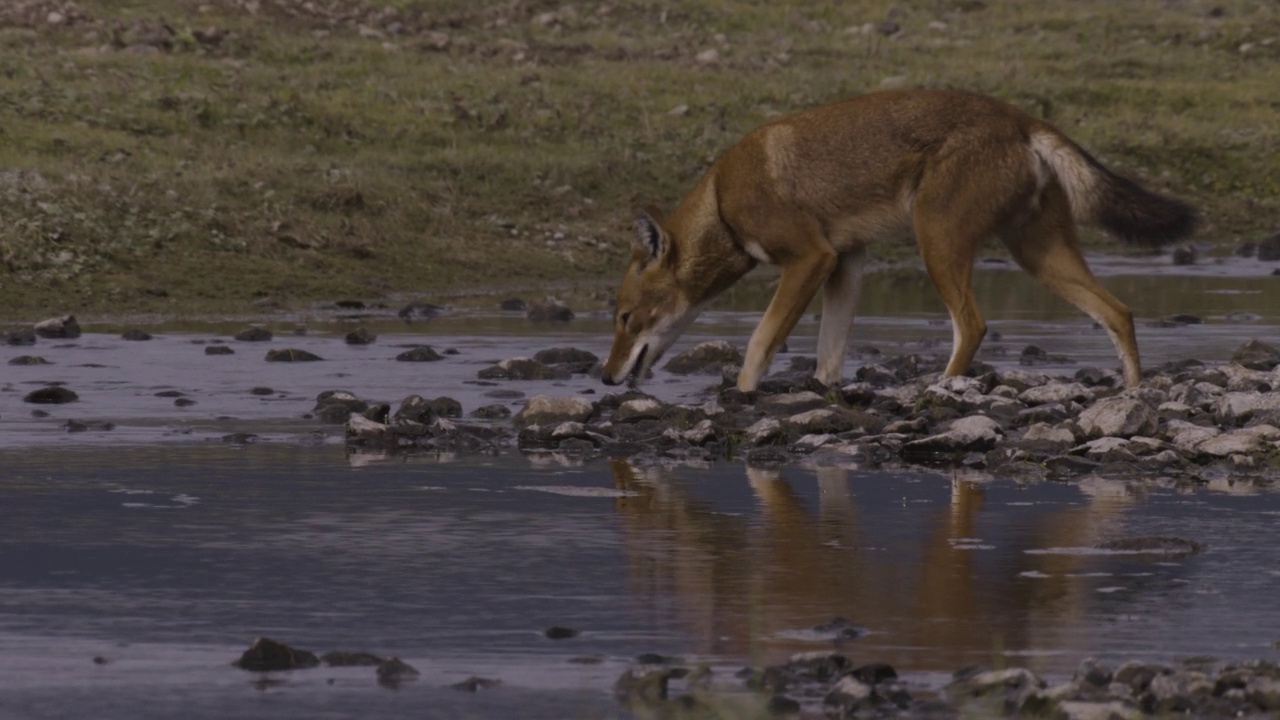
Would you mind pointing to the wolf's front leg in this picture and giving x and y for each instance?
(799, 283)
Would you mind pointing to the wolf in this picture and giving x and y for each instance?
(810, 191)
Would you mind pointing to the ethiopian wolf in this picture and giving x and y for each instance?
(810, 191)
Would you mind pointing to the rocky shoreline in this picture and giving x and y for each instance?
(1187, 419)
(828, 684)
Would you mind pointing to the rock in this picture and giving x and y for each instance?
(135, 334)
(1268, 249)
(28, 360)
(475, 684)
(218, 350)
(1119, 417)
(20, 337)
(1176, 692)
(393, 671)
(1011, 687)
(360, 336)
(336, 406)
(416, 408)
(1235, 408)
(420, 311)
(291, 355)
(1093, 672)
(706, 358)
(1245, 441)
(1137, 676)
(546, 410)
(556, 632)
(350, 659)
(579, 361)
(1264, 692)
(550, 311)
(703, 432)
(1045, 433)
(491, 412)
(1056, 392)
(362, 428)
(1086, 710)
(424, 353)
(254, 334)
(266, 655)
(1033, 355)
(643, 685)
(847, 698)
(1257, 355)
(764, 430)
(75, 426)
(820, 421)
(976, 432)
(1184, 255)
(639, 409)
(522, 368)
(792, 403)
(51, 395)
(58, 327)
(874, 673)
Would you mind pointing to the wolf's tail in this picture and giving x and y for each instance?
(1101, 197)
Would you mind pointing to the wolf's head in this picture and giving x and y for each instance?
(652, 308)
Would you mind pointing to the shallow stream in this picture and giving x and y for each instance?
(136, 563)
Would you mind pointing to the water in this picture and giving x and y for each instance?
(167, 560)
(163, 552)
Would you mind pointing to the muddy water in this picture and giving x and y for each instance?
(163, 551)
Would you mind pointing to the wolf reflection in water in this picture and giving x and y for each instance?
(918, 576)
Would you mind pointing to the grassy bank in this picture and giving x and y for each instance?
(192, 156)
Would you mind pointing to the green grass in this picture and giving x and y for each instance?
(495, 145)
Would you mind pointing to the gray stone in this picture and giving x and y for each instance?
(1257, 355)
(1084, 710)
(1245, 441)
(763, 430)
(362, 428)
(51, 395)
(1237, 407)
(701, 433)
(58, 327)
(523, 368)
(1186, 436)
(291, 355)
(792, 403)
(1043, 432)
(543, 410)
(1057, 392)
(821, 420)
(976, 432)
(1264, 692)
(1119, 417)
(423, 353)
(847, 697)
(639, 409)
(707, 357)
(266, 655)
(1021, 380)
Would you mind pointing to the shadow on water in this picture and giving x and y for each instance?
(165, 561)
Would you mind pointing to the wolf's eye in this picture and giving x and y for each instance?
(624, 318)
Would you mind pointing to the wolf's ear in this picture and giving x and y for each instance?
(651, 241)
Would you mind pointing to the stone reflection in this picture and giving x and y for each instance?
(926, 584)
